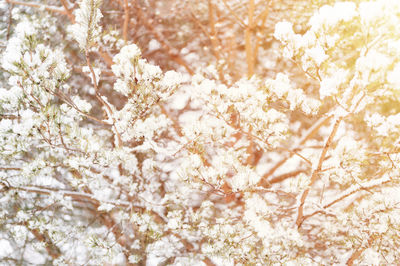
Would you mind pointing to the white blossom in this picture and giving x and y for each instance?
(86, 30)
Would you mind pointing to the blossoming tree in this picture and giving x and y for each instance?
(254, 142)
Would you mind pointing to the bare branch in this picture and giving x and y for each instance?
(315, 173)
(126, 21)
(54, 9)
(161, 39)
(102, 101)
(68, 11)
(357, 253)
(309, 133)
(248, 39)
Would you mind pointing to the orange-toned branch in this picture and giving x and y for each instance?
(43, 237)
(165, 46)
(233, 13)
(77, 196)
(54, 9)
(212, 36)
(126, 21)
(261, 18)
(248, 35)
(102, 101)
(285, 176)
(309, 134)
(315, 173)
(349, 192)
(68, 11)
(356, 254)
(213, 33)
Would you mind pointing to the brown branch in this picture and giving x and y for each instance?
(315, 173)
(213, 33)
(349, 192)
(233, 13)
(175, 121)
(54, 9)
(68, 11)
(105, 56)
(10, 169)
(212, 36)
(126, 21)
(261, 18)
(10, 9)
(161, 39)
(310, 132)
(51, 248)
(356, 254)
(285, 176)
(77, 196)
(248, 39)
(102, 101)
(314, 176)
(294, 152)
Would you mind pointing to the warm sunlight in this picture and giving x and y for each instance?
(210, 132)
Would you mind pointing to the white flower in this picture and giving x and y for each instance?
(86, 29)
(96, 71)
(25, 28)
(280, 85)
(12, 54)
(122, 87)
(244, 179)
(171, 79)
(317, 54)
(330, 85)
(124, 60)
(370, 10)
(106, 207)
(345, 10)
(372, 61)
(372, 257)
(283, 31)
(329, 16)
(82, 105)
(134, 258)
(154, 45)
(394, 76)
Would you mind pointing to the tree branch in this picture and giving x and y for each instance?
(315, 173)
(161, 39)
(54, 9)
(356, 254)
(309, 133)
(126, 21)
(248, 39)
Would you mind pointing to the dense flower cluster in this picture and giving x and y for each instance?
(115, 160)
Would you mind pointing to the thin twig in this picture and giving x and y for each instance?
(315, 173)
(102, 101)
(357, 253)
(248, 35)
(126, 21)
(161, 39)
(285, 176)
(10, 8)
(261, 18)
(79, 196)
(68, 11)
(54, 9)
(233, 13)
(309, 133)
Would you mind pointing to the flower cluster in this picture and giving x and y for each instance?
(107, 156)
